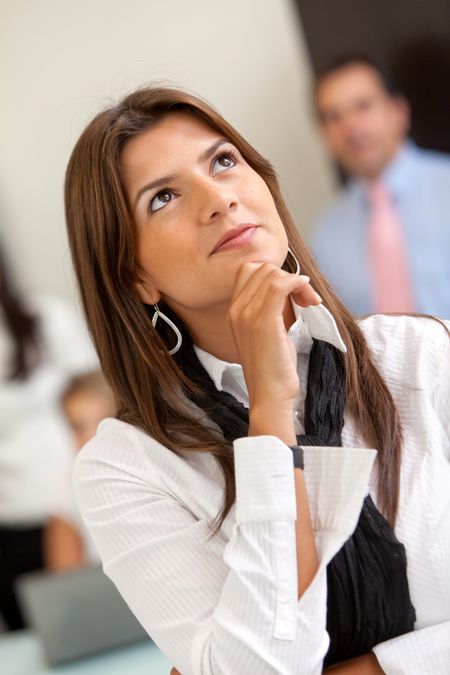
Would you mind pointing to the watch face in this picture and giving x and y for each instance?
(297, 455)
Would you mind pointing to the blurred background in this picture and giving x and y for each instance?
(64, 61)
(310, 84)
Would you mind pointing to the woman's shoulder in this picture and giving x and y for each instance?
(118, 447)
(123, 463)
(409, 350)
(119, 460)
(419, 330)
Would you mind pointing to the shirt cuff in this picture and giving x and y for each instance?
(421, 651)
(264, 471)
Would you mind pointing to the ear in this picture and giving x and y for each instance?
(403, 113)
(146, 291)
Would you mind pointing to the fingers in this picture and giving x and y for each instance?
(275, 289)
(257, 281)
(306, 296)
(257, 324)
(249, 277)
(248, 283)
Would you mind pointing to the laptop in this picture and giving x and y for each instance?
(76, 613)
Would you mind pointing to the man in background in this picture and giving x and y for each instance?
(384, 243)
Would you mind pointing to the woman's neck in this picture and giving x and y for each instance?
(213, 334)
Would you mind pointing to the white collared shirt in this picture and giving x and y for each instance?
(228, 605)
(35, 442)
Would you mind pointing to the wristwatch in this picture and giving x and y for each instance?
(297, 455)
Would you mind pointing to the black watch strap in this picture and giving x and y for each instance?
(297, 455)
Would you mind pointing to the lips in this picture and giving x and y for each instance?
(232, 234)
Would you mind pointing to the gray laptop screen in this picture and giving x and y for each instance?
(77, 613)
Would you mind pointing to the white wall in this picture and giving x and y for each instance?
(63, 60)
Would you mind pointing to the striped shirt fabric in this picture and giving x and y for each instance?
(227, 605)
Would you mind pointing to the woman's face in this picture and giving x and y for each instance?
(188, 188)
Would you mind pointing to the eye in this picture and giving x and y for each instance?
(224, 161)
(159, 201)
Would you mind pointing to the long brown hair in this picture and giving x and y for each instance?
(134, 357)
(22, 326)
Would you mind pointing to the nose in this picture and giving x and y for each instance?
(215, 200)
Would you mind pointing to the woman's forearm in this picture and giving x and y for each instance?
(273, 422)
(307, 558)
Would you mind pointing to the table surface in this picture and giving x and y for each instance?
(21, 653)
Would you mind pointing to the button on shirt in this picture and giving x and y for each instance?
(419, 182)
(228, 605)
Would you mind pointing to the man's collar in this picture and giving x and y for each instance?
(310, 322)
(398, 174)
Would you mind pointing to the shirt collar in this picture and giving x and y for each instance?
(310, 322)
(397, 176)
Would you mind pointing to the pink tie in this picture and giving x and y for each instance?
(391, 279)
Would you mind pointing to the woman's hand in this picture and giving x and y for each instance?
(367, 664)
(268, 357)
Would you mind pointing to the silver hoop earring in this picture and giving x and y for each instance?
(297, 264)
(165, 318)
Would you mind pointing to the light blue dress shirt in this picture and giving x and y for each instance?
(419, 182)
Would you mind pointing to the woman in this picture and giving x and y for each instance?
(42, 344)
(226, 363)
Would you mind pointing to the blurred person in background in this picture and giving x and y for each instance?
(86, 401)
(42, 344)
(384, 243)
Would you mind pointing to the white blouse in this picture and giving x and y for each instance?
(228, 605)
(35, 443)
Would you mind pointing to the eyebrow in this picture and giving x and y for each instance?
(167, 179)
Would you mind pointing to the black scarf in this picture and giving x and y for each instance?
(368, 595)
